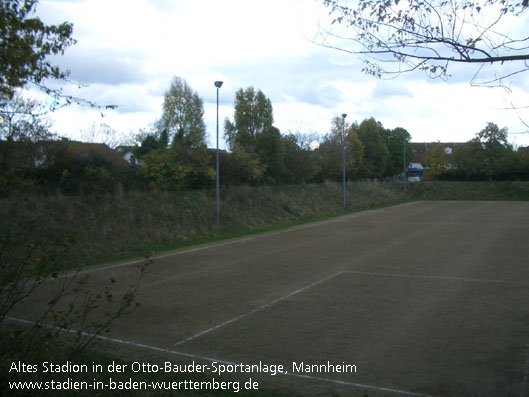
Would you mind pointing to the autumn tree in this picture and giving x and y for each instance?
(354, 152)
(182, 116)
(436, 160)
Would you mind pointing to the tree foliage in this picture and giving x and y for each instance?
(253, 115)
(26, 44)
(182, 117)
(22, 123)
(331, 151)
(398, 143)
(270, 150)
(376, 153)
(399, 36)
(436, 160)
(301, 165)
(496, 150)
(241, 167)
(32, 256)
(468, 159)
(23, 119)
(176, 168)
(252, 131)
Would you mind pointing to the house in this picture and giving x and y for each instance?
(417, 166)
(128, 154)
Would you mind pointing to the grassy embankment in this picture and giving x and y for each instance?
(116, 227)
(488, 191)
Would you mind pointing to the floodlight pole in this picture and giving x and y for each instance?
(343, 157)
(404, 163)
(218, 84)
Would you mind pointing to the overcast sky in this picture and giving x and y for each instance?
(129, 50)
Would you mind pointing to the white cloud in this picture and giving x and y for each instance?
(128, 51)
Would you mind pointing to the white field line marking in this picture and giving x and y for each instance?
(240, 240)
(209, 359)
(433, 277)
(207, 331)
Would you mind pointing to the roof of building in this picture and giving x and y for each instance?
(85, 149)
(421, 148)
(47, 149)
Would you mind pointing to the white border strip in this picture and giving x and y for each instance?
(258, 309)
(209, 359)
(434, 277)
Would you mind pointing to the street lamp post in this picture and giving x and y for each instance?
(404, 162)
(344, 115)
(218, 84)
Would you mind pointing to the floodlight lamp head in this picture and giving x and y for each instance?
(344, 115)
(218, 84)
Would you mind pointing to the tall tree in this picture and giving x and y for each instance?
(400, 150)
(497, 150)
(376, 154)
(331, 151)
(253, 132)
(271, 152)
(253, 115)
(354, 152)
(429, 35)
(182, 117)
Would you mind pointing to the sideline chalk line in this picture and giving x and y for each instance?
(434, 277)
(209, 359)
(207, 331)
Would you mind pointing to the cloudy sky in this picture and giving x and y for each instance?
(129, 50)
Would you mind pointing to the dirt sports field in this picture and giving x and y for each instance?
(425, 298)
